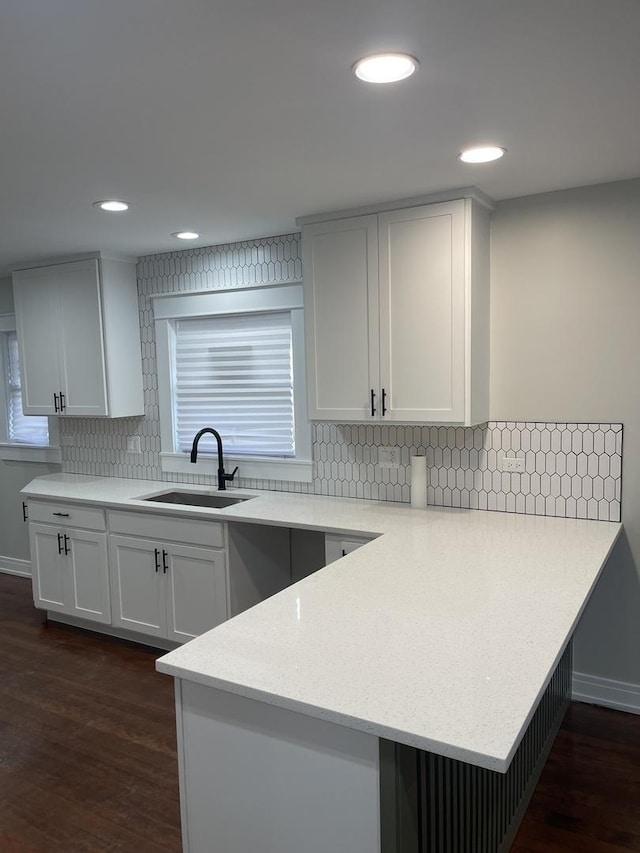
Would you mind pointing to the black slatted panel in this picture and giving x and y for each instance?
(468, 809)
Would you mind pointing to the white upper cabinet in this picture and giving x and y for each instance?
(79, 339)
(397, 315)
(341, 317)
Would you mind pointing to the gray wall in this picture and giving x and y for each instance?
(14, 540)
(565, 345)
(6, 296)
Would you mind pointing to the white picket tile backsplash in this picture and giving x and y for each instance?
(571, 470)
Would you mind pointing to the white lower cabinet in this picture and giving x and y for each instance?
(196, 591)
(164, 588)
(166, 577)
(336, 546)
(168, 590)
(69, 565)
(255, 778)
(137, 587)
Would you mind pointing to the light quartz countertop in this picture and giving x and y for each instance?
(441, 633)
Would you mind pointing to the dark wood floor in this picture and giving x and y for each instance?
(87, 739)
(88, 760)
(588, 797)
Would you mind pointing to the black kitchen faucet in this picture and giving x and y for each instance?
(222, 477)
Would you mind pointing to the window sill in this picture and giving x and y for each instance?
(29, 453)
(286, 470)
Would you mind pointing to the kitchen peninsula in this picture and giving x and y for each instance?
(322, 718)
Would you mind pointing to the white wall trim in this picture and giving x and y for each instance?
(621, 695)
(14, 566)
(207, 303)
(29, 453)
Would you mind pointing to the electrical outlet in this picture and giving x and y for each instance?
(389, 457)
(133, 444)
(512, 463)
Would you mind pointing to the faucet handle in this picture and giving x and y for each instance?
(231, 475)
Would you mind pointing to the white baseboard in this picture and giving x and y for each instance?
(620, 695)
(14, 566)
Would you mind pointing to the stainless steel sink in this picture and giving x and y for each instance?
(197, 499)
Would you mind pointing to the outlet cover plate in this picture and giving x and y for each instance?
(389, 457)
(512, 463)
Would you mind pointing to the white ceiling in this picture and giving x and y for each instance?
(234, 117)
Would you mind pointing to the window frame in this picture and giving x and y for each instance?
(167, 309)
(19, 451)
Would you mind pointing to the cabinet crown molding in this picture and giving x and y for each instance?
(415, 201)
(69, 259)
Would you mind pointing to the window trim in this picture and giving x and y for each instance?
(18, 451)
(167, 309)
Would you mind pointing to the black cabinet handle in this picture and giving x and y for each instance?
(373, 399)
(164, 561)
(59, 543)
(61, 514)
(55, 403)
(24, 511)
(66, 544)
(384, 402)
(63, 405)
(157, 553)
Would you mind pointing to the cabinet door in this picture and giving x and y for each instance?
(82, 363)
(422, 313)
(36, 309)
(341, 317)
(196, 591)
(88, 575)
(137, 585)
(336, 546)
(48, 568)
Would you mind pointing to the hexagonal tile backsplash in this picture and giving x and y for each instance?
(571, 470)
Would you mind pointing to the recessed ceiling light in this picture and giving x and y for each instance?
(185, 235)
(112, 205)
(385, 67)
(484, 154)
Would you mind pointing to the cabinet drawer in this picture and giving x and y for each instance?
(168, 528)
(74, 515)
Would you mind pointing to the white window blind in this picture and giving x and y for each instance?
(22, 429)
(235, 374)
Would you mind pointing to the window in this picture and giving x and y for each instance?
(234, 361)
(20, 428)
(236, 372)
(26, 438)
